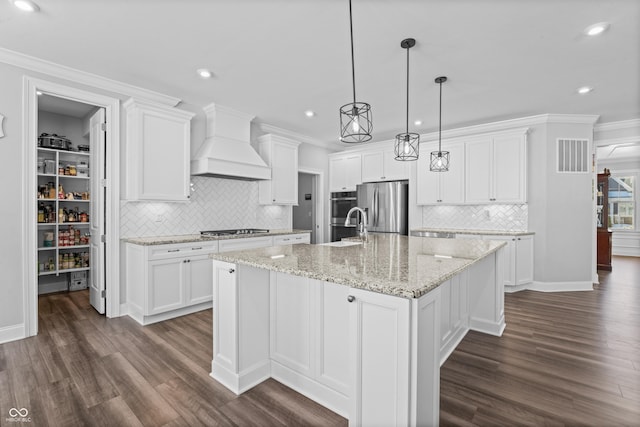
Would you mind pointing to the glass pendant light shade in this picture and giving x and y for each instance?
(439, 159)
(355, 122)
(407, 144)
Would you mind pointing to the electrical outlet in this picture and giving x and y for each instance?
(487, 214)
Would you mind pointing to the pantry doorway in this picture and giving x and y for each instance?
(85, 245)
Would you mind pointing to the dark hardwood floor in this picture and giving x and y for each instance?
(570, 358)
(564, 359)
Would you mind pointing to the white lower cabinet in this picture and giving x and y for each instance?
(518, 260)
(166, 281)
(379, 344)
(454, 314)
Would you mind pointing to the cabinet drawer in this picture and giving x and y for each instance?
(182, 250)
(291, 239)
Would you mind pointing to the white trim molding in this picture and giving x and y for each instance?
(624, 124)
(28, 184)
(560, 286)
(12, 333)
(32, 63)
(295, 136)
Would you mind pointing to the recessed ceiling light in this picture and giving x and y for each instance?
(26, 5)
(204, 73)
(595, 29)
(584, 90)
(38, 93)
(309, 113)
(417, 122)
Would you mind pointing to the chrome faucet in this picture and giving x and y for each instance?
(363, 223)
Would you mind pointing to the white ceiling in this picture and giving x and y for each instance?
(277, 58)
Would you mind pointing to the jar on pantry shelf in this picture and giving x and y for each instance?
(72, 170)
(52, 190)
(41, 217)
(84, 217)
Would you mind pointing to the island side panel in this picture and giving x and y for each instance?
(425, 358)
(486, 295)
(240, 326)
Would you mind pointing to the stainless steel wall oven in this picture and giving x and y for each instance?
(341, 202)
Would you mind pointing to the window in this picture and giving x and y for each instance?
(621, 202)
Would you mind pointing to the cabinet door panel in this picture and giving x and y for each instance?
(353, 166)
(200, 277)
(373, 167)
(291, 320)
(524, 260)
(428, 183)
(166, 286)
(379, 343)
(337, 175)
(452, 181)
(478, 171)
(508, 169)
(509, 264)
(333, 336)
(284, 174)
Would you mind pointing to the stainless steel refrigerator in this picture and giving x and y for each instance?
(386, 205)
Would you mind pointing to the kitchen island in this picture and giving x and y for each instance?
(361, 327)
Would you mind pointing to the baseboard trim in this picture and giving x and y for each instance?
(148, 320)
(319, 393)
(247, 379)
(560, 286)
(487, 327)
(517, 288)
(12, 333)
(124, 309)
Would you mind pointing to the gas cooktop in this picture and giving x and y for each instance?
(233, 232)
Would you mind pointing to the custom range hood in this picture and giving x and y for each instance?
(227, 152)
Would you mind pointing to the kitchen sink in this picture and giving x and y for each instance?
(341, 243)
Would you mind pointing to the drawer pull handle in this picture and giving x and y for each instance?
(196, 249)
(232, 270)
(173, 250)
(351, 298)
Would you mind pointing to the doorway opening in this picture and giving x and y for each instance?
(71, 209)
(309, 213)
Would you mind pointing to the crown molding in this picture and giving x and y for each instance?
(32, 63)
(266, 128)
(624, 124)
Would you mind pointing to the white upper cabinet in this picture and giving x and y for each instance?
(157, 152)
(496, 169)
(281, 154)
(382, 166)
(345, 172)
(440, 187)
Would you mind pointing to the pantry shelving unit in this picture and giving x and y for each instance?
(63, 245)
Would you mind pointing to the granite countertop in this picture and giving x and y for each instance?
(475, 231)
(387, 263)
(188, 238)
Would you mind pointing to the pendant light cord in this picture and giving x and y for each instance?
(407, 124)
(440, 123)
(353, 66)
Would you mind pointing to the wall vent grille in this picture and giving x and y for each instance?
(573, 155)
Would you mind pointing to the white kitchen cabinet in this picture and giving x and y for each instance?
(345, 172)
(308, 333)
(496, 168)
(454, 314)
(281, 154)
(379, 343)
(382, 166)
(158, 140)
(245, 243)
(165, 281)
(518, 257)
(441, 187)
(291, 239)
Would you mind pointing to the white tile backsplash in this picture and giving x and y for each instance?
(478, 217)
(215, 204)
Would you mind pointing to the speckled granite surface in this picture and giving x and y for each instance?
(187, 238)
(479, 232)
(387, 263)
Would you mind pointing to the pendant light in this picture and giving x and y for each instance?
(440, 159)
(407, 144)
(355, 117)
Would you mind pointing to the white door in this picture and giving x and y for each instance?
(97, 252)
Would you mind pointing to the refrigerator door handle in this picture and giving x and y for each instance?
(375, 207)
